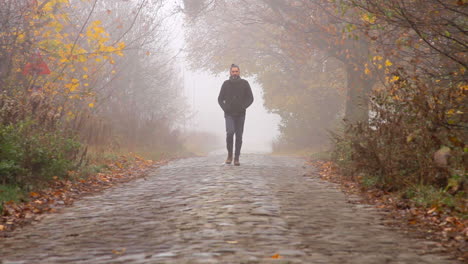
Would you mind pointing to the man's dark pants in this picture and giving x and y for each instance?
(234, 125)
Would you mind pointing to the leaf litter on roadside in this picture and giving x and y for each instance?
(62, 193)
(449, 231)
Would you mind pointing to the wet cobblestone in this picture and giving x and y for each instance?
(198, 210)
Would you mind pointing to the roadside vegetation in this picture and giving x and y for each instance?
(83, 85)
(377, 87)
(380, 86)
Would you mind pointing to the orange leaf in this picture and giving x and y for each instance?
(34, 194)
(276, 256)
(119, 252)
(432, 210)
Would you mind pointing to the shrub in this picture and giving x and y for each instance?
(30, 155)
(10, 193)
(414, 137)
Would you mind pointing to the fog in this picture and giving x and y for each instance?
(202, 91)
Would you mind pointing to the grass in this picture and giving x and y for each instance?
(321, 155)
(10, 193)
(429, 196)
(368, 181)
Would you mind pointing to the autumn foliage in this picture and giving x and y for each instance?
(82, 76)
(385, 80)
(417, 121)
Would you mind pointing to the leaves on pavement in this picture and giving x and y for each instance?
(64, 192)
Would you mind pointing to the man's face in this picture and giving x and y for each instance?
(235, 72)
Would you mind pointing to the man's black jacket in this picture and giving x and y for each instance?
(235, 96)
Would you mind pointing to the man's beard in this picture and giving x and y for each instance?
(234, 77)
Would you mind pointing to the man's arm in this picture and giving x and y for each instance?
(221, 96)
(249, 96)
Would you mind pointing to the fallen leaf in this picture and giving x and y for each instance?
(2, 227)
(276, 256)
(432, 210)
(231, 242)
(34, 194)
(119, 252)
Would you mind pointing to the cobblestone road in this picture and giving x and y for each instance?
(199, 211)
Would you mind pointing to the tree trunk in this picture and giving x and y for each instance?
(357, 99)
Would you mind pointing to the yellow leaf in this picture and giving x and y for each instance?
(82, 58)
(388, 63)
(368, 18)
(72, 86)
(367, 71)
(395, 78)
(96, 23)
(409, 138)
(21, 38)
(91, 105)
(377, 58)
(85, 76)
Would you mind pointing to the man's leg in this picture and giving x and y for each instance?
(230, 130)
(239, 130)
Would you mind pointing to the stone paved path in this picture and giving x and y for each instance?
(199, 211)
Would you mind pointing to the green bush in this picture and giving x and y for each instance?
(429, 196)
(10, 193)
(30, 155)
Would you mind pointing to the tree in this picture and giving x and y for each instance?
(293, 39)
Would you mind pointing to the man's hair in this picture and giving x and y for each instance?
(234, 66)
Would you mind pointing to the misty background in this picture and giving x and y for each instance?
(201, 90)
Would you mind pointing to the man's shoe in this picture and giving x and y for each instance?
(229, 160)
(236, 162)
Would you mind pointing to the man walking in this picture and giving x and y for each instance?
(234, 98)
